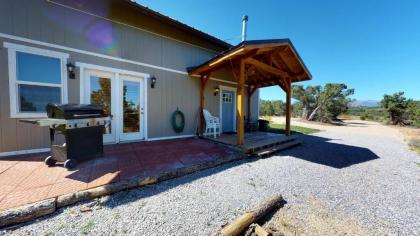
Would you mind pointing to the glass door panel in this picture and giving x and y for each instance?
(100, 95)
(100, 87)
(131, 108)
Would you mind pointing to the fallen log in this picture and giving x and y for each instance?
(238, 226)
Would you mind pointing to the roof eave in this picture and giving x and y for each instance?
(179, 25)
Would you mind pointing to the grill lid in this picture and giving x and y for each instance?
(75, 111)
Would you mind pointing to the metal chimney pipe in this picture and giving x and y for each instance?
(244, 22)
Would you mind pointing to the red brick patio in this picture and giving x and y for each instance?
(26, 179)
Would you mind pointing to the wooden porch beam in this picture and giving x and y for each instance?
(248, 115)
(264, 84)
(271, 82)
(283, 85)
(267, 68)
(240, 104)
(251, 90)
(288, 106)
(203, 82)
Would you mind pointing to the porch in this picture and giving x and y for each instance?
(258, 143)
(254, 64)
(26, 179)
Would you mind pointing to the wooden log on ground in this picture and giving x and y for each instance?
(241, 223)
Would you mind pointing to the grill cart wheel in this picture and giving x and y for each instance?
(69, 164)
(50, 161)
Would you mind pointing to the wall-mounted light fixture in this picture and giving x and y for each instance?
(216, 91)
(70, 69)
(153, 82)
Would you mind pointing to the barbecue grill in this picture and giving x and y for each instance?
(82, 127)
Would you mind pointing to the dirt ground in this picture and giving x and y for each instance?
(369, 128)
(311, 217)
(412, 137)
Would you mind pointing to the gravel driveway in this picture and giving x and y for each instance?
(373, 179)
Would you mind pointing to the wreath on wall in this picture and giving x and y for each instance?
(178, 127)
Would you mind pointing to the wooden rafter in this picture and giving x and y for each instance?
(233, 60)
(266, 79)
(259, 76)
(266, 67)
(261, 84)
(279, 63)
(281, 54)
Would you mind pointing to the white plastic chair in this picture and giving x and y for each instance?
(212, 124)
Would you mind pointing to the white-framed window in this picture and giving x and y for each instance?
(227, 97)
(36, 77)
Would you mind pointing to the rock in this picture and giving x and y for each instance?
(85, 209)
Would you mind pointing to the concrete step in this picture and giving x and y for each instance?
(276, 148)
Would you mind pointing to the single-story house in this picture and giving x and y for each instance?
(141, 65)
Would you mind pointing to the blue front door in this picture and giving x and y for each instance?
(228, 107)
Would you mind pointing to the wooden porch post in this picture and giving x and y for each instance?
(248, 115)
(240, 103)
(203, 83)
(251, 91)
(288, 105)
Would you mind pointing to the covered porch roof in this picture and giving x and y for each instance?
(256, 63)
(267, 63)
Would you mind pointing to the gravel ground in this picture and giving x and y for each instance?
(371, 179)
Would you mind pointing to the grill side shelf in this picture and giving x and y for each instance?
(44, 122)
(70, 124)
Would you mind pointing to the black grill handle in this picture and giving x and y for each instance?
(52, 132)
(84, 115)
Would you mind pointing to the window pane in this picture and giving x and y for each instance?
(100, 95)
(100, 92)
(227, 97)
(37, 68)
(131, 107)
(34, 98)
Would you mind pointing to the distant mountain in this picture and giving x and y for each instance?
(365, 103)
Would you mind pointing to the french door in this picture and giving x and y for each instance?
(131, 108)
(122, 96)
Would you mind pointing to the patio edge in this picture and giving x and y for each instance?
(46, 207)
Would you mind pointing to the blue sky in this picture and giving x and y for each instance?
(370, 45)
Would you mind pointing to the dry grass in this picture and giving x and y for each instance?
(348, 117)
(313, 218)
(412, 136)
